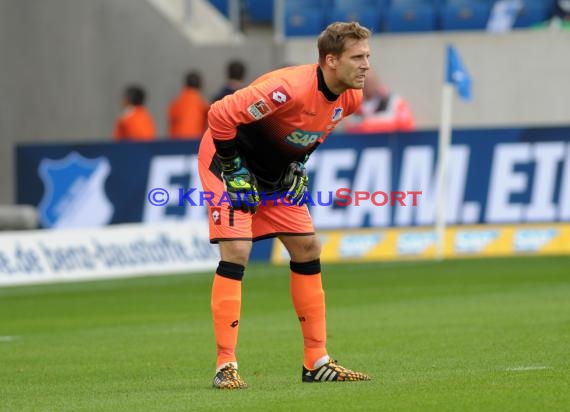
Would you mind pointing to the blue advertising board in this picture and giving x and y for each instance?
(495, 176)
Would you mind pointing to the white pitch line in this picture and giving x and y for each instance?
(527, 368)
(7, 338)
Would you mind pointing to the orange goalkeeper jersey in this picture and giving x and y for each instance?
(280, 118)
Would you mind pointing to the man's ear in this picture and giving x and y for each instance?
(331, 61)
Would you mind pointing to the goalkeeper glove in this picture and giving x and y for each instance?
(240, 185)
(297, 180)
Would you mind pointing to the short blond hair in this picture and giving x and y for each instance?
(333, 39)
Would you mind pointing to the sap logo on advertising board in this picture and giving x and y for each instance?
(358, 245)
(473, 241)
(415, 243)
(532, 240)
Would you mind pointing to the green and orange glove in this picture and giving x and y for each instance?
(297, 180)
(240, 185)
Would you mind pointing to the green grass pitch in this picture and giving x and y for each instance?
(463, 335)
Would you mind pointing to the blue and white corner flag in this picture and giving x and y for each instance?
(457, 77)
(457, 74)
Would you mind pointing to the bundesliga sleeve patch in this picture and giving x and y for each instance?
(280, 96)
(259, 109)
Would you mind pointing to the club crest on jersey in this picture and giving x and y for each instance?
(217, 215)
(280, 96)
(302, 138)
(259, 109)
(337, 114)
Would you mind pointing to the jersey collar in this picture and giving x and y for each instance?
(329, 95)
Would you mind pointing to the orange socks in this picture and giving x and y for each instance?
(226, 305)
(309, 301)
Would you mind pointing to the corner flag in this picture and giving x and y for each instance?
(457, 77)
(457, 74)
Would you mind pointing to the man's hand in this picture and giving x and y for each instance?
(240, 185)
(297, 180)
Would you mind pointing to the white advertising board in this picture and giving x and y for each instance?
(54, 255)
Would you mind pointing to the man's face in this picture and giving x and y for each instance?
(353, 64)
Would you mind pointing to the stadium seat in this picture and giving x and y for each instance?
(351, 4)
(369, 17)
(408, 16)
(223, 6)
(464, 15)
(303, 21)
(310, 4)
(409, 3)
(260, 11)
(533, 12)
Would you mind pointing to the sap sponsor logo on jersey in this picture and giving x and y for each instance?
(358, 245)
(280, 96)
(532, 240)
(259, 109)
(302, 138)
(473, 241)
(415, 243)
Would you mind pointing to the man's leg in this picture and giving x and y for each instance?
(309, 301)
(226, 305)
(308, 295)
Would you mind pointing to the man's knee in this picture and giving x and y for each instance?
(235, 251)
(304, 248)
(313, 247)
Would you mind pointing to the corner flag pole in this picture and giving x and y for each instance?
(444, 141)
(456, 77)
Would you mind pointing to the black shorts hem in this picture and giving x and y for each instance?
(263, 237)
(222, 239)
(276, 234)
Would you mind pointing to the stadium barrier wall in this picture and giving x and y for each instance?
(45, 256)
(496, 176)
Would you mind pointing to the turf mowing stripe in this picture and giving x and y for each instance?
(527, 368)
(7, 338)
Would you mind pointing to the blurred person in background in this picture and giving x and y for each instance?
(235, 76)
(187, 113)
(135, 123)
(257, 142)
(380, 111)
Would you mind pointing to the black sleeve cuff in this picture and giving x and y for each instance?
(226, 149)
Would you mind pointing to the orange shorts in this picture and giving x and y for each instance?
(273, 217)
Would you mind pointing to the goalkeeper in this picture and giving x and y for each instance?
(257, 143)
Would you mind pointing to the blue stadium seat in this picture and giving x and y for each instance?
(533, 12)
(260, 11)
(369, 17)
(408, 3)
(351, 4)
(223, 6)
(549, 5)
(311, 4)
(468, 2)
(465, 15)
(303, 21)
(408, 16)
